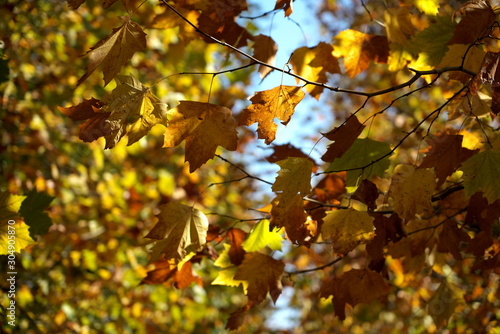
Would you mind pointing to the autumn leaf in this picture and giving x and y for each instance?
(115, 50)
(293, 178)
(263, 235)
(444, 301)
(429, 7)
(228, 270)
(263, 274)
(359, 160)
(412, 190)
(181, 276)
(356, 286)
(279, 102)
(289, 213)
(236, 238)
(32, 210)
(134, 106)
(454, 57)
(347, 228)
(359, 49)
(478, 17)
(204, 126)
(490, 74)
(446, 155)
(366, 193)
(264, 50)
(95, 118)
(281, 152)
(10, 220)
(313, 64)
(286, 5)
(343, 137)
(179, 226)
(450, 239)
(481, 173)
(398, 24)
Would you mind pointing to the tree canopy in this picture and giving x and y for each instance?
(151, 186)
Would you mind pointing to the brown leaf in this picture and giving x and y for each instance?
(450, 238)
(279, 102)
(478, 17)
(343, 137)
(95, 119)
(483, 215)
(490, 74)
(446, 155)
(357, 286)
(281, 152)
(236, 252)
(115, 50)
(286, 5)
(290, 214)
(162, 272)
(329, 189)
(74, 4)
(204, 126)
(366, 193)
(263, 274)
(184, 277)
(313, 64)
(265, 50)
(492, 263)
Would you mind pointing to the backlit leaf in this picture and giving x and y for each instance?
(454, 57)
(286, 5)
(228, 270)
(265, 50)
(481, 173)
(478, 16)
(293, 178)
(398, 24)
(343, 137)
(261, 236)
(10, 220)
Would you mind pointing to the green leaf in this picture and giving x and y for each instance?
(261, 236)
(481, 173)
(32, 210)
(362, 154)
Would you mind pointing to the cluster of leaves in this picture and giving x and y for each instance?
(405, 215)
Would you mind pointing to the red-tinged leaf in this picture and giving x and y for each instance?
(204, 126)
(490, 74)
(162, 272)
(236, 252)
(115, 50)
(185, 276)
(313, 64)
(343, 137)
(330, 188)
(359, 49)
(286, 5)
(263, 274)
(446, 155)
(450, 239)
(264, 50)
(478, 17)
(357, 286)
(290, 214)
(95, 125)
(279, 102)
(366, 193)
(483, 215)
(492, 263)
(281, 152)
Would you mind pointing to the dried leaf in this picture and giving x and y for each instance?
(115, 50)
(279, 102)
(236, 252)
(265, 50)
(343, 137)
(204, 126)
(290, 214)
(478, 17)
(286, 5)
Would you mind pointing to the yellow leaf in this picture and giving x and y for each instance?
(179, 226)
(261, 236)
(398, 24)
(115, 50)
(313, 64)
(454, 57)
(131, 103)
(359, 49)
(294, 177)
(279, 102)
(226, 275)
(412, 190)
(429, 7)
(204, 126)
(13, 230)
(347, 228)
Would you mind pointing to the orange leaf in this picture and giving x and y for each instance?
(286, 5)
(279, 102)
(290, 214)
(359, 49)
(265, 50)
(115, 50)
(236, 252)
(263, 274)
(478, 16)
(204, 126)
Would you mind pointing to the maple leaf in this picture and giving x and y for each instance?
(412, 190)
(290, 214)
(204, 126)
(446, 155)
(179, 226)
(478, 17)
(131, 103)
(454, 57)
(264, 50)
(366, 193)
(343, 137)
(347, 228)
(359, 49)
(313, 64)
(281, 152)
(116, 49)
(10, 221)
(398, 24)
(293, 178)
(32, 211)
(228, 270)
(95, 118)
(263, 235)
(286, 5)
(354, 287)
(263, 274)
(279, 102)
(481, 173)
(164, 270)
(444, 301)
(362, 153)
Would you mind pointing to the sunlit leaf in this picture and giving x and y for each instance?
(261, 236)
